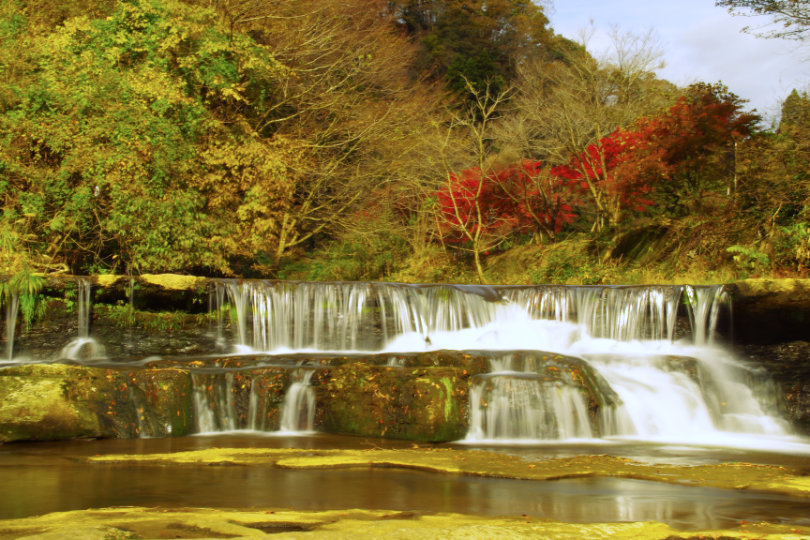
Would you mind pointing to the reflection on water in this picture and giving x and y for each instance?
(36, 490)
(42, 478)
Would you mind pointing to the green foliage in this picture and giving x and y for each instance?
(792, 247)
(125, 316)
(102, 145)
(477, 42)
(749, 259)
(570, 263)
(356, 257)
(25, 287)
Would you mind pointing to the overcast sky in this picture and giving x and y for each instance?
(700, 42)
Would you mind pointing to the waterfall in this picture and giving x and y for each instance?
(617, 313)
(12, 310)
(652, 348)
(704, 306)
(213, 399)
(302, 316)
(343, 316)
(509, 406)
(83, 290)
(298, 409)
(83, 347)
(251, 400)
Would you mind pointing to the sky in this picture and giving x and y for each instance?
(700, 42)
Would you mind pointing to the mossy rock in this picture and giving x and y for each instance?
(58, 401)
(420, 404)
(36, 404)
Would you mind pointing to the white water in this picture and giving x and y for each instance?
(627, 335)
(12, 310)
(212, 397)
(509, 406)
(215, 396)
(298, 409)
(83, 347)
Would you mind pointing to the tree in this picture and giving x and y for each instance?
(100, 146)
(480, 211)
(567, 110)
(465, 198)
(792, 17)
(346, 110)
(676, 159)
(699, 136)
(480, 42)
(542, 202)
(795, 112)
(167, 136)
(615, 171)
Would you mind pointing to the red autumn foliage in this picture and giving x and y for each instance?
(609, 171)
(520, 198)
(694, 139)
(689, 144)
(685, 148)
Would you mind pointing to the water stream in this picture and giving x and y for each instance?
(640, 363)
(83, 347)
(12, 311)
(664, 383)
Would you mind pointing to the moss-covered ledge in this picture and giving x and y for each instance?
(489, 464)
(57, 401)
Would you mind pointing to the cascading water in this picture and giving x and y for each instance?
(520, 404)
(654, 383)
(83, 347)
(12, 310)
(298, 410)
(213, 399)
(276, 317)
(253, 400)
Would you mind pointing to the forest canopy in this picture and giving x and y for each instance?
(404, 139)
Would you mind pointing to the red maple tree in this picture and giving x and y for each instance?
(521, 198)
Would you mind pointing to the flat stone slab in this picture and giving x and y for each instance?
(139, 522)
(769, 478)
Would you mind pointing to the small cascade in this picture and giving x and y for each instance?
(351, 316)
(216, 305)
(704, 307)
(514, 401)
(12, 311)
(213, 399)
(283, 316)
(83, 347)
(424, 311)
(298, 409)
(657, 399)
(84, 289)
(253, 400)
(685, 399)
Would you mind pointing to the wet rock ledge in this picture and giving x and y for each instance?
(418, 396)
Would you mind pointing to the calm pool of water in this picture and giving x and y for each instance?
(47, 477)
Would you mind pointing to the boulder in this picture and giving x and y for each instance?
(60, 401)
